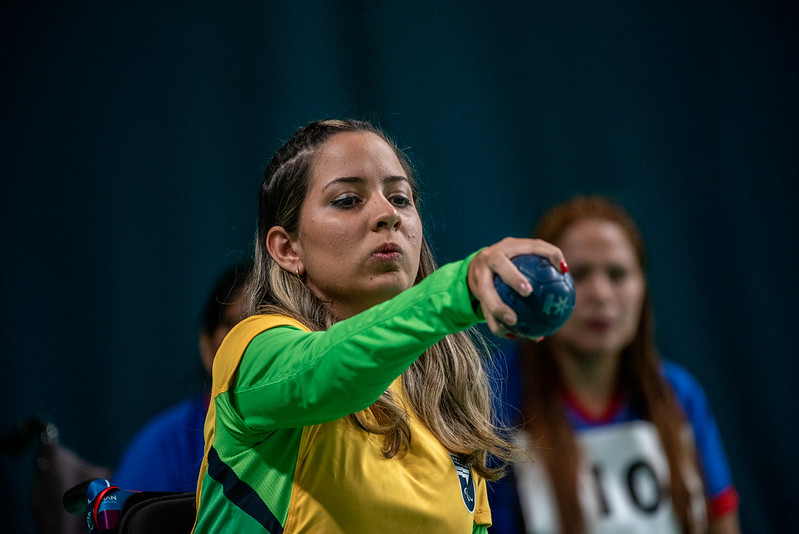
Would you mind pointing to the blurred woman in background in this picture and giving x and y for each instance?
(622, 441)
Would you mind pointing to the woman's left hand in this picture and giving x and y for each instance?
(495, 260)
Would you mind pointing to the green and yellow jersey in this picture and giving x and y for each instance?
(282, 457)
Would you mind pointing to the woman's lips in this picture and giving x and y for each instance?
(599, 325)
(389, 251)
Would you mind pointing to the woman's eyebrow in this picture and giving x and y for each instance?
(344, 180)
(358, 180)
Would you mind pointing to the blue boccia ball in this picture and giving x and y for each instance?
(551, 302)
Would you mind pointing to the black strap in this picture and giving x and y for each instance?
(241, 494)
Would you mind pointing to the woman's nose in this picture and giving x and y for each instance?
(386, 214)
(597, 286)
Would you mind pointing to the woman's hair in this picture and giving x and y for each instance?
(446, 387)
(640, 377)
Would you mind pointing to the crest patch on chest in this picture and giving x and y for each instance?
(466, 481)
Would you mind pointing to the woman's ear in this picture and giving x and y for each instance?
(283, 250)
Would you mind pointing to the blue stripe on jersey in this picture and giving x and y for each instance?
(241, 494)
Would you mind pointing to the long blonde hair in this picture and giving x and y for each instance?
(447, 387)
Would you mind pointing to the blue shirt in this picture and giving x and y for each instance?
(166, 454)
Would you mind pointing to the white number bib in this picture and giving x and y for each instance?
(623, 484)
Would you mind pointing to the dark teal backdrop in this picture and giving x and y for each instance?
(134, 135)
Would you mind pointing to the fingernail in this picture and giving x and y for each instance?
(509, 320)
(525, 289)
(539, 339)
(563, 267)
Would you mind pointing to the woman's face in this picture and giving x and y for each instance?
(359, 237)
(609, 287)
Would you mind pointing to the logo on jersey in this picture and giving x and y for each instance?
(466, 481)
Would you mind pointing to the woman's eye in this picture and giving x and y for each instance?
(617, 274)
(345, 201)
(579, 273)
(401, 200)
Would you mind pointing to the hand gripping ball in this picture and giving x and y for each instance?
(548, 306)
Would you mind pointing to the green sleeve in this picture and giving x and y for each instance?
(479, 529)
(290, 378)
